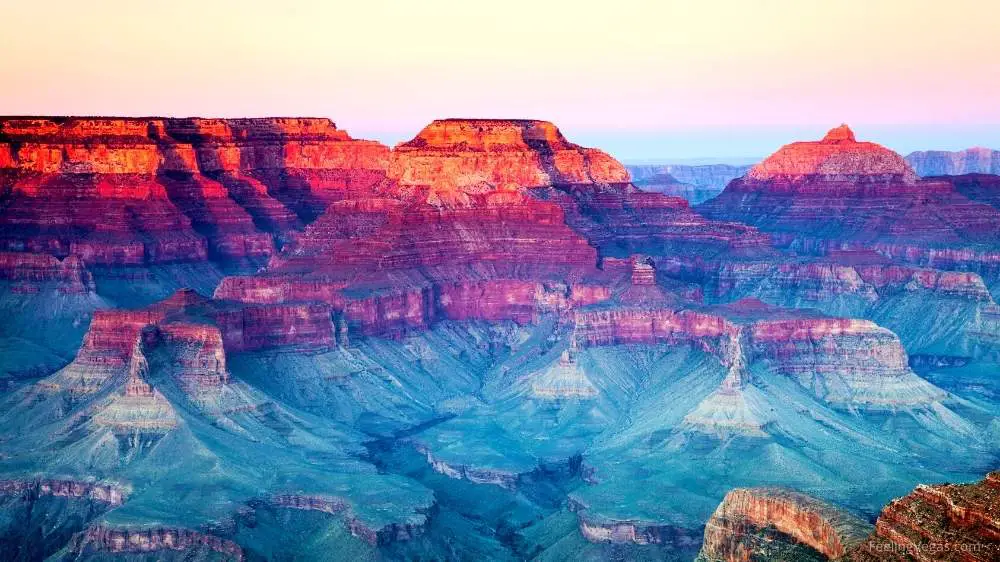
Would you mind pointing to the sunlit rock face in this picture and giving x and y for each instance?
(137, 191)
(844, 361)
(773, 523)
(500, 151)
(976, 160)
(838, 193)
(838, 157)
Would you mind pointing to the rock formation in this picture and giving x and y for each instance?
(509, 304)
(767, 523)
(941, 522)
(107, 493)
(30, 272)
(102, 540)
(838, 193)
(461, 153)
(135, 191)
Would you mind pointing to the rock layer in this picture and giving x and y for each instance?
(135, 191)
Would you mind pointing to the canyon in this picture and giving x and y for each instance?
(264, 338)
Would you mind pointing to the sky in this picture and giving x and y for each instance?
(658, 80)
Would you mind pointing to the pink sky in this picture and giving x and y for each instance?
(381, 68)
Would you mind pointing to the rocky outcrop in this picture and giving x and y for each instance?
(503, 228)
(846, 362)
(138, 409)
(837, 158)
(29, 273)
(197, 354)
(279, 164)
(943, 522)
(246, 328)
(101, 539)
(870, 278)
(976, 160)
(632, 532)
(108, 351)
(564, 380)
(761, 523)
(709, 332)
(476, 475)
(383, 309)
(110, 494)
(333, 505)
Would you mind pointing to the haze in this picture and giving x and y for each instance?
(645, 80)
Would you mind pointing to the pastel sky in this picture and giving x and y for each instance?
(658, 79)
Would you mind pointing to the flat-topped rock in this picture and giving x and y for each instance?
(465, 152)
(488, 135)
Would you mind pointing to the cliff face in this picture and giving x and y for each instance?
(102, 540)
(976, 160)
(760, 523)
(136, 191)
(846, 362)
(30, 272)
(456, 232)
(109, 494)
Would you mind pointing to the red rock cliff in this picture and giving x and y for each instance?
(750, 523)
(134, 191)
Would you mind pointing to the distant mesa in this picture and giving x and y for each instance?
(838, 157)
(488, 135)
